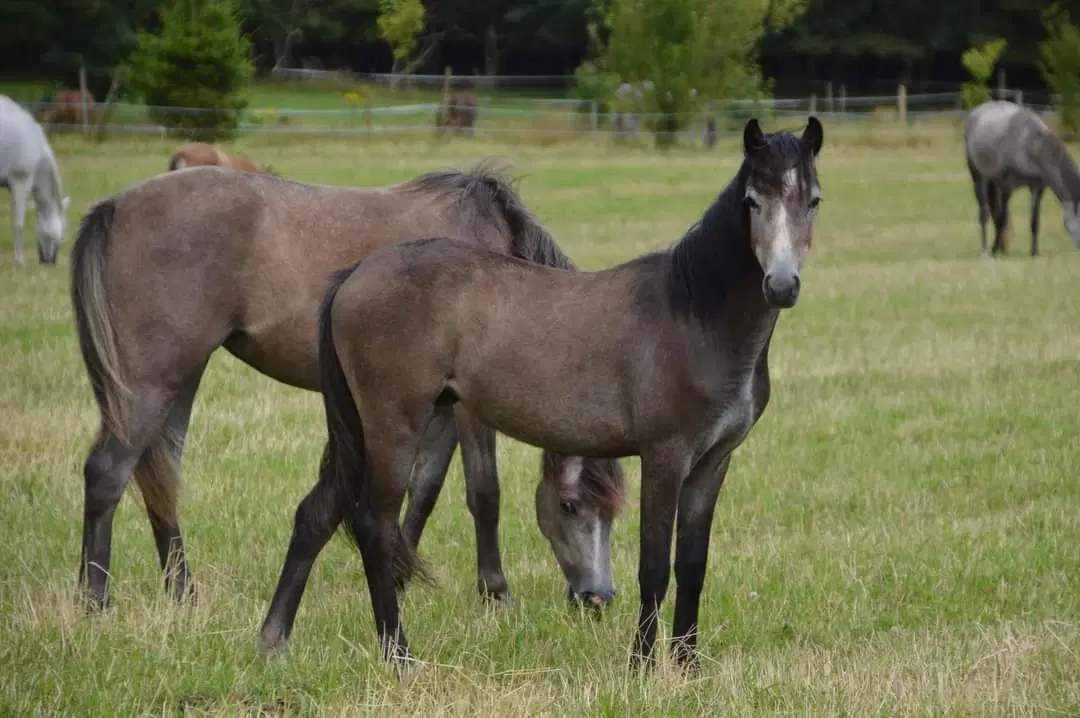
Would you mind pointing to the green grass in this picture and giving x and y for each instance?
(899, 535)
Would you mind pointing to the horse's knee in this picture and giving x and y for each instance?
(106, 479)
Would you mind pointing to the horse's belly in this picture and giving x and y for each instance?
(562, 417)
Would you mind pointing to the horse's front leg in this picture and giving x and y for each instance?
(1036, 198)
(482, 496)
(697, 503)
(662, 474)
(20, 193)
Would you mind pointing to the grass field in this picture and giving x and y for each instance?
(899, 535)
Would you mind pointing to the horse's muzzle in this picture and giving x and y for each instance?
(590, 599)
(781, 289)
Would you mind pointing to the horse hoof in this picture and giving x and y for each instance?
(270, 645)
(409, 667)
(500, 598)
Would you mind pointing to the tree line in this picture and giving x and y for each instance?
(868, 45)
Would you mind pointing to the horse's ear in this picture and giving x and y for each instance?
(813, 135)
(752, 137)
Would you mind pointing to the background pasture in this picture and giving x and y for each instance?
(898, 535)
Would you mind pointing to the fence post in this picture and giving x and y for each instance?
(594, 116)
(843, 100)
(829, 107)
(1020, 97)
(813, 104)
(83, 100)
(1001, 84)
(901, 104)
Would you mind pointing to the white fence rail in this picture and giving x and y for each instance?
(524, 117)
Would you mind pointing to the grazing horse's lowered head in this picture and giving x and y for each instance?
(781, 196)
(576, 504)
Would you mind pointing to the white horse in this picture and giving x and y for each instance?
(28, 166)
(1008, 147)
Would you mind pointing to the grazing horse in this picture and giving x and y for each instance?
(1009, 146)
(66, 108)
(457, 112)
(664, 357)
(174, 267)
(195, 154)
(28, 168)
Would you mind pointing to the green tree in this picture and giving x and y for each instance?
(687, 52)
(1061, 65)
(980, 62)
(400, 24)
(194, 74)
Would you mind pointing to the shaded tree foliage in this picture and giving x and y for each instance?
(867, 44)
(199, 61)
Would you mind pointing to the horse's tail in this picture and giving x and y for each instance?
(155, 474)
(344, 460)
(97, 337)
(529, 239)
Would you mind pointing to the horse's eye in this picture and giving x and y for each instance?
(814, 202)
(568, 507)
(752, 203)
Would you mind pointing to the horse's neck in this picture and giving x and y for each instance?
(745, 324)
(46, 186)
(1061, 172)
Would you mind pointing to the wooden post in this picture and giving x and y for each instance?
(83, 100)
(829, 107)
(594, 116)
(107, 105)
(813, 104)
(1020, 97)
(843, 99)
(901, 104)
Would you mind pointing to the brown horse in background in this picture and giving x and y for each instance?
(195, 154)
(67, 108)
(457, 112)
(181, 264)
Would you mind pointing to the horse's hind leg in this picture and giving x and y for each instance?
(999, 208)
(107, 471)
(482, 495)
(159, 466)
(982, 189)
(1036, 198)
(429, 474)
(316, 518)
(391, 447)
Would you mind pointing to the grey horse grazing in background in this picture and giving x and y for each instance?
(177, 266)
(1008, 146)
(28, 168)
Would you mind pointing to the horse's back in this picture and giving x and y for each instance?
(22, 141)
(1002, 137)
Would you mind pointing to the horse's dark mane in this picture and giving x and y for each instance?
(493, 196)
(602, 481)
(715, 253)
